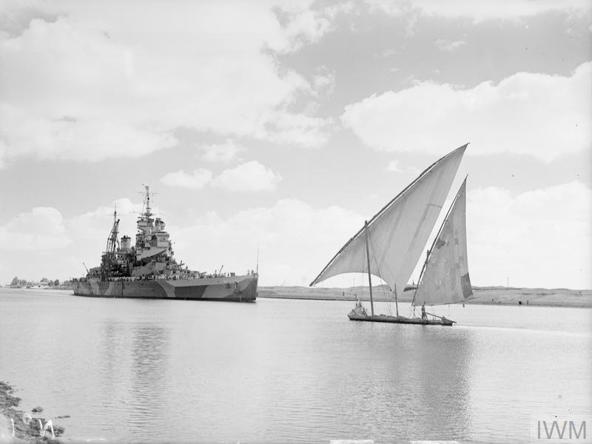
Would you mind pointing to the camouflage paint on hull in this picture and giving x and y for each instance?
(237, 288)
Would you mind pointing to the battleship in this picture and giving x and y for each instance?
(149, 269)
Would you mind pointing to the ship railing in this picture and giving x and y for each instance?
(184, 276)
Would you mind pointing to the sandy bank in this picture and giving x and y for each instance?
(558, 297)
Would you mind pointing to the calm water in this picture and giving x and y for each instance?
(281, 370)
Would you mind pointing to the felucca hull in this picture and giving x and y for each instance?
(399, 320)
(232, 289)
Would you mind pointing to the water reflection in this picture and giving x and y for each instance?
(368, 381)
(415, 384)
(280, 371)
(148, 403)
(111, 350)
(442, 362)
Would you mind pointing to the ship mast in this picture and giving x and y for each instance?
(369, 272)
(147, 209)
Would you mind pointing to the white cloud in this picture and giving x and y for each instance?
(324, 80)
(85, 140)
(538, 238)
(306, 21)
(480, 10)
(42, 228)
(296, 129)
(396, 167)
(249, 176)
(303, 25)
(393, 166)
(220, 152)
(246, 177)
(449, 45)
(89, 231)
(33, 237)
(295, 240)
(15, 15)
(537, 114)
(88, 85)
(196, 180)
(92, 227)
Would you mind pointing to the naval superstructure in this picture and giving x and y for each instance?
(148, 269)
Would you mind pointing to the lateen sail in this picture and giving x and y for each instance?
(446, 276)
(398, 233)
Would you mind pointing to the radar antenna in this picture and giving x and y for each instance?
(146, 209)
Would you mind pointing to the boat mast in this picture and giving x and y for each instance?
(369, 273)
(421, 273)
(396, 301)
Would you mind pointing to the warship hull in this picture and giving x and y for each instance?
(232, 289)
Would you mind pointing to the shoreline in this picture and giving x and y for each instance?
(507, 296)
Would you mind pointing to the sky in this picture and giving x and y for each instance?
(272, 129)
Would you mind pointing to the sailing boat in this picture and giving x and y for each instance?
(390, 244)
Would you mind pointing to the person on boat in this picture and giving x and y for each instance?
(423, 312)
(359, 308)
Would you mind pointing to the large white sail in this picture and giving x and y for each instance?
(397, 234)
(445, 279)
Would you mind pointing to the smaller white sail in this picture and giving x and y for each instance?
(445, 278)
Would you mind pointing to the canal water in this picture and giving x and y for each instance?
(289, 370)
